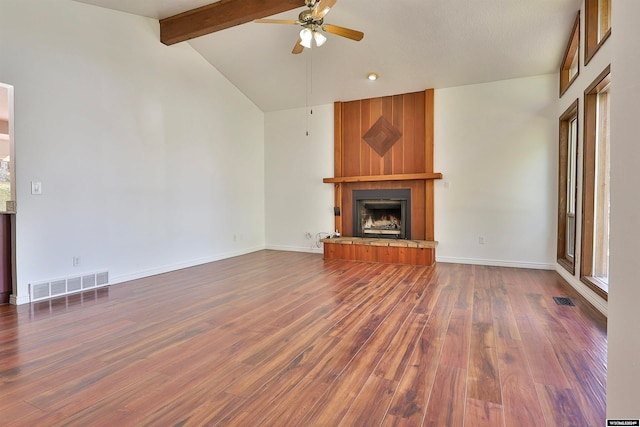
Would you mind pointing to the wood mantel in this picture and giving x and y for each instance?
(379, 178)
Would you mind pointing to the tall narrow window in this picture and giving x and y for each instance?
(569, 69)
(596, 187)
(597, 26)
(567, 188)
(7, 177)
(602, 190)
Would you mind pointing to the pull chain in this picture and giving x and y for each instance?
(309, 88)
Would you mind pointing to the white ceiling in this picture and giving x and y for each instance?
(412, 44)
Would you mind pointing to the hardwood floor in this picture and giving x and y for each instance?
(284, 339)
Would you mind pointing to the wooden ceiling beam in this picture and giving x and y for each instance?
(219, 16)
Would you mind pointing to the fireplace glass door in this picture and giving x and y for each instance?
(382, 213)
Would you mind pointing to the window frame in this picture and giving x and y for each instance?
(571, 52)
(563, 258)
(594, 38)
(588, 182)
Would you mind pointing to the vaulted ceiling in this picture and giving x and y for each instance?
(411, 44)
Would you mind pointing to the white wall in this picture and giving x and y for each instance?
(623, 364)
(495, 145)
(297, 201)
(149, 158)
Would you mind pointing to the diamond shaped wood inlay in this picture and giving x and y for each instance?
(382, 136)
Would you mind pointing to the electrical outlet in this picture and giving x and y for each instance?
(307, 235)
(235, 237)
(481, 240)
(36, 188)
(76, 261)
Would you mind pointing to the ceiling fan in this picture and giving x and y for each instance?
(312, 20)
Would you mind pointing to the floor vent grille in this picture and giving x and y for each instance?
(563, 301)
(69, 285)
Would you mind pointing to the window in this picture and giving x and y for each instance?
(7, 182)
(597, 26)
(569, 69)
(568, 187)
(596, 187)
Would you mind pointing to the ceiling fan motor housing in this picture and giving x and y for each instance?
(306, 18)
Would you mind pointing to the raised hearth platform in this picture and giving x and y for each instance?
(391, 251)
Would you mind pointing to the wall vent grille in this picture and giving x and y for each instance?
(40, 291)
(69, 285)
(74, 284)
(102, 278)
(58, 287)
(88, 281)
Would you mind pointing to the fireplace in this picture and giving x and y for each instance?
(383, 180)
(384, 213)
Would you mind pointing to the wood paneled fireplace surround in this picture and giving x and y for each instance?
(383, 154)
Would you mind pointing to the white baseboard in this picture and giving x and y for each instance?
(497, 263)
(19, 299)
(295, 249)
(178, 266)
(598, 302)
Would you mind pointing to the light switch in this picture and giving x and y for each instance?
(36, 187)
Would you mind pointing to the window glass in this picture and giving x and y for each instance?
(602, 191)
(572, 158)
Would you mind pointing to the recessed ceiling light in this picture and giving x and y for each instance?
(373, 76)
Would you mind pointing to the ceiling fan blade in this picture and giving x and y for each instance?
(298, 48)
(322, 8)
(343, 32)
(275, 21)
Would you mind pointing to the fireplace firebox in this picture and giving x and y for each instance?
(382, 213)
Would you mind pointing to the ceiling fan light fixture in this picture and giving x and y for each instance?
(373, 76)
(319, 38)
(305, 36)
